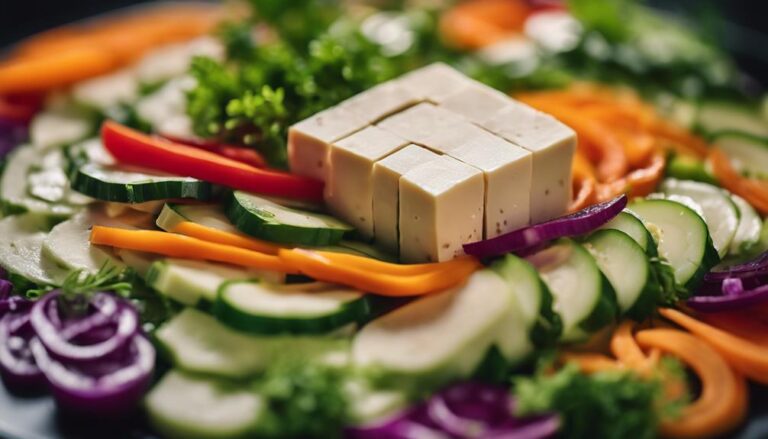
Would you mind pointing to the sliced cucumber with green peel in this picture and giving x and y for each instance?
(87, 151)
(61, 126)
(187, 406)
(583, 296)
(128, 185)
(437, 338)
(719, 211)
(750, 225)
(360, 249)
(69, 245)
(684, 240)
(629, 223)
(47, 181)
(535, 299)
(627, 268)
(139, 262)
(261, 308)
(259, 217)
(21, 250)
(715, 117)
(748, 153)
(188, 282)
(689, 168)
(209, 215)
(198, 343)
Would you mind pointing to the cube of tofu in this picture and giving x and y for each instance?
(441, 208)
(507, 170)
(349, 188)
(417, 124)
(386, 186)
(434, 82)
(309, 140)
(552, 144)
(476, 102)
(380, 101)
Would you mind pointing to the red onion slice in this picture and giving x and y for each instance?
(755, 267)
(17, 365)
(739, 300)
(578, 223)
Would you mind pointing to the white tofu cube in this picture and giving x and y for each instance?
(386, 186)
(476, 102)
(507, 170)
(434, 82)
(380, 101)
(309, 140)
(552, 144)
(441, 208)
(349, 188)
(417, 124)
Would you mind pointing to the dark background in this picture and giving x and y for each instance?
(741, 26)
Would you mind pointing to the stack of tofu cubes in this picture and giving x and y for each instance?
(432, 160)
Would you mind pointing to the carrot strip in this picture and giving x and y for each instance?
(381, 267)
(592, 363)
(625, 348)
(478, 23)
(180, 246)
(217, 236)
(745, 356)
(321, 268)
(637, 183)
(723, 400)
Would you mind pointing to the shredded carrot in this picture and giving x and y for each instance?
(180, 246)
(477, 23)
(591, 362)
(723, 400)
(211, 234)
(323, 269)
(381, 267)
(625, 348)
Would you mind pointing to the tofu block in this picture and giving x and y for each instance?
(552, 144)
(380, 101)
(441, 208)
(386, 186)
(434, 82)
(476, 102)
(417, 124)
(507, 170)
(349, 187)
(309, 140)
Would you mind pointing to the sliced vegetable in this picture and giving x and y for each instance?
(127, 185)
(626, 266)
(185, 406)
(754, 190)
(748, 232)
(134, 148)
(629, 223)
(567, 267)
(68, 245)
(17, 366)
(718, 116)
(179, 246)
(734, 297)
(528, 238)
(720, 212)
(21, 250)
(748, 153)
(684, 239)
(264, 219)
(260, 308)
(241, 154)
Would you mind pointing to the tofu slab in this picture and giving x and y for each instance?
(386, 185)
(434, 82)
(309, 140)
(380, 101)
(349, 188)
(552, 144)
(507, 170)
(418, 123)
(441, 208)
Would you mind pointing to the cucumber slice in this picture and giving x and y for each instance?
(188, 282)
(105, 92)
(535, 299)
(629, 223)
(715, 117)
(361, 249)
(198, 343)
(438, 338)
(139, 262)
(128, 185)
(748, 153)
(59, 127)
(583, 296)
(48, 181)
(69, 245)
(21, 250)
(683, 238)
(748, 232)
(14, 195)
(627, 268)
(87, 151)
(689, 168)
(183, 406)
(206, 215)
(260, 308)
(367, 404)
(264, 219)
(718, 209)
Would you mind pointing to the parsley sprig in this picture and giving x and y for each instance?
(80, 286)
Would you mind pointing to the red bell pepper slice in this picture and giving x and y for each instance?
(138, 149)
(239, 153)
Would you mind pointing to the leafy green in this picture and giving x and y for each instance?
(304, 399)
(297, 22)
(79, 287)
(671, 291)
(605, 405)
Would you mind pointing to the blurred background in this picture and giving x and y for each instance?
(738, 25)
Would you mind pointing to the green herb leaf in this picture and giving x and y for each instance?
(79, 286)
